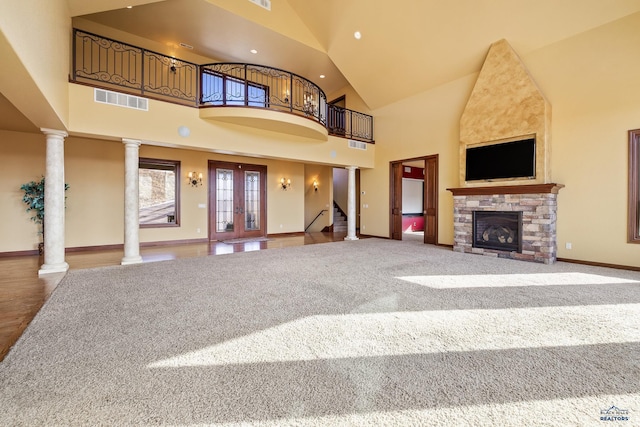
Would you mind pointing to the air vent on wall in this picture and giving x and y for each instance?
(120, 99)
(358, 145)
(262, 3)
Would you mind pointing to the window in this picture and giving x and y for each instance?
(220, 89)
(159, 193)
(634, 186)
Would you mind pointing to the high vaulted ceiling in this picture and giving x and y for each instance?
(407, 46)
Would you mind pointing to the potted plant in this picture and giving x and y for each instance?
(34, 199)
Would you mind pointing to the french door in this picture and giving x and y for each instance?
(396, 201)
(431, 199)
(237, 200)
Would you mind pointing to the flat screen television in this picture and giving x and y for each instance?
(516, 159)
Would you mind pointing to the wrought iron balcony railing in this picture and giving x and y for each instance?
(107, 63)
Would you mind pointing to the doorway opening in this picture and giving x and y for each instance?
(341, 200)
(237, 200)
(336, 117)
(414, 199)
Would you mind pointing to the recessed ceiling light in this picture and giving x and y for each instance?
(253, 51)
(322, 76)
(357, 35)
(129, 7)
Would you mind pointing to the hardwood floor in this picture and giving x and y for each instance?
(22, 292)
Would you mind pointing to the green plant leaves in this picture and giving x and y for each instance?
(34, 199)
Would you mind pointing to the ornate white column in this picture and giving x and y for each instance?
(54, 204)
(351, 204)
(131, 206)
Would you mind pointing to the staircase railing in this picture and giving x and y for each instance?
(230, 84)
(349, 124)
(314, 219)
(107, 63)
(103, 62)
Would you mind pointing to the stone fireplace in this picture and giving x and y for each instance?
(535, 205)
(509, 217)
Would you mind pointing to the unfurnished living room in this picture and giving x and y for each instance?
(346, 212)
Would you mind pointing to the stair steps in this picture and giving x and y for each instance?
(339, 221)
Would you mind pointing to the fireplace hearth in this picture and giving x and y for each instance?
(497, 230)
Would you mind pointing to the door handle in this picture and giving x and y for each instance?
(237, 210)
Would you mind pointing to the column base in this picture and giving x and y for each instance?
(351, 238)
(131, 260)
(61, 267)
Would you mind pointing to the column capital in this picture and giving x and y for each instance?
(54, 132)
(127, 141)
(351, 168)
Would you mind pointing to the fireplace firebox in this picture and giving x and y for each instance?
(498, 230)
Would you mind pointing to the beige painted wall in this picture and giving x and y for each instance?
(21, 160)
(159, 126)
(40, 35)
(94, 170)
(285, 209)
(422, 125)
(592, 85)
(316, 201)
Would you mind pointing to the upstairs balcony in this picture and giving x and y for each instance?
(247, 94)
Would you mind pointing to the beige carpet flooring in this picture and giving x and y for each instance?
(370, 332)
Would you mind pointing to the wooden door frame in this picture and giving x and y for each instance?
(393, 185)
(395, 199)
(431, 203)
(211, 195)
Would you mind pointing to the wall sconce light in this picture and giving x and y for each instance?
(315, 185)
(195, 179)
(285, 183)
(173, 65)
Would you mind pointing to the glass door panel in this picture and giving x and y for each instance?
(224, 200)
(237, 198)
(252, 200)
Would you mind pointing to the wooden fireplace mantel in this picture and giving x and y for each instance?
(552, 188)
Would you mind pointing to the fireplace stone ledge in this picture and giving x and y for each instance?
(502, 190)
